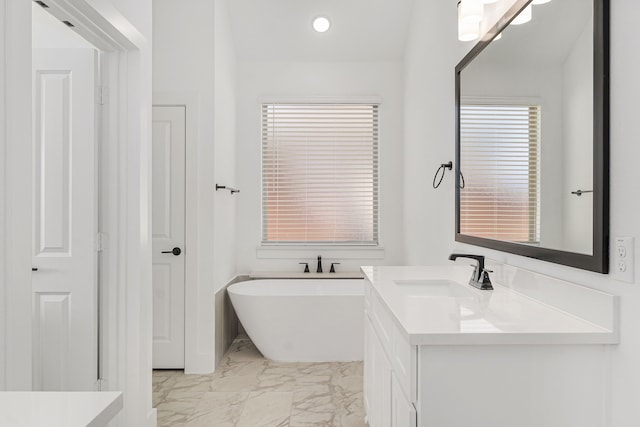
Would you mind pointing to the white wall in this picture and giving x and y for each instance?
(578, 172)
(430, 58)
(224, 251)
(3, 344)
(312, 79)
(194, 65)
(433, 36)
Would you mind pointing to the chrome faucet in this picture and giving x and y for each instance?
(480, 277)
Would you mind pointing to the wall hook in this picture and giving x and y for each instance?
(443, 167)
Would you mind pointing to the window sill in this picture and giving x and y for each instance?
(307, 251)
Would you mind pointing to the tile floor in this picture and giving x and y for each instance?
(249, 390)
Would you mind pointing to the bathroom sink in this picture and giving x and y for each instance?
(435, 288)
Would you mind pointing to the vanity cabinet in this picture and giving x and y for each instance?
(389, 369)
(377, 380)
(498, 360)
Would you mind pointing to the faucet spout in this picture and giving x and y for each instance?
(480, 277)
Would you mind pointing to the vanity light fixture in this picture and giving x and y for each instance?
(524, 17)
(467, 31)
(470, 11)
(321, 24)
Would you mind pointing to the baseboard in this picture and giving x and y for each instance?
(152, 418)
(201, 363)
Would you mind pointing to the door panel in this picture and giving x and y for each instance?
(64, 220)
(52, 148)
(168, 218)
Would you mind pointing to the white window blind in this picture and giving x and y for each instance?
(320, 173)
(499, 146)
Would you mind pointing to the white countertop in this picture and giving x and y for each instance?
(58, 409)
(472, 316)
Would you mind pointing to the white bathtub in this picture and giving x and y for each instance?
(303, 320)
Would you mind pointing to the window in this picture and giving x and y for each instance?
(320, 173)
(499, 147)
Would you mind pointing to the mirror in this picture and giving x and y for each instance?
(532, 135)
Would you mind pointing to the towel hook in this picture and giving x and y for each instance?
(224, 187)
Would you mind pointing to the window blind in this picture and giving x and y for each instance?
(499, 146)
(320, 173)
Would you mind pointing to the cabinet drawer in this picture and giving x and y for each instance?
(403, 412)
(382, 322)
(367, 296)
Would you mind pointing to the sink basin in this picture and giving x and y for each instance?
(435, 288)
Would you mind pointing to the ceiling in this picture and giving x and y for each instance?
(280, 30)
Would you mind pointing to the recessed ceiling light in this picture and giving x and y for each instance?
(321, 24)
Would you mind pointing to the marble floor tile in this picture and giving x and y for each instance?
(243, 351)
(278, 376)
(312, 408)
(249, 390)
(218, 409)
(231, 368)
(266, 409)
(349, 409)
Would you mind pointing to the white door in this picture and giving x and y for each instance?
(64, 280)
(168, 236)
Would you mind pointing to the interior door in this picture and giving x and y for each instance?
(168, 236)
(64, 280)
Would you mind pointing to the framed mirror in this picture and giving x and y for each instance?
(532, 135)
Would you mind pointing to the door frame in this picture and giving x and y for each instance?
(125, 165)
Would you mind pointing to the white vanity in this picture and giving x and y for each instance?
(439, 353)
(59, 409)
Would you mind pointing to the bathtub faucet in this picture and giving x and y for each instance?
(319, 269)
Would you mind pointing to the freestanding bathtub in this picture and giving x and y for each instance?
(303, 320)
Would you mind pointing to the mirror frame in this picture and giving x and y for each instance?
(598, 261)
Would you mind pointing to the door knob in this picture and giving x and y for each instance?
(176, 251)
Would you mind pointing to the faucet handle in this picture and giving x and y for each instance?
(306, 266)
(332, 269)
(485, 280)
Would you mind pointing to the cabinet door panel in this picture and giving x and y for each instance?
(403, 413)
(377, 381)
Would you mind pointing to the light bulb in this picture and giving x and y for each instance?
(470, 11)
(468, 31)
(524, 17)
(321, 24)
